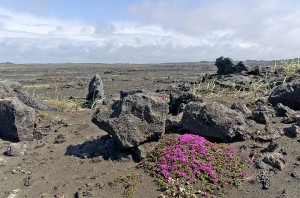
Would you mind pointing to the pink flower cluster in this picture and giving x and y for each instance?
(191, 159)
(182, 160)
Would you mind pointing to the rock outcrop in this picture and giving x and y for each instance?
(179, 99)
(95, 91)
(17, 120)
(134, 119)
(214, 120)
(287, 94)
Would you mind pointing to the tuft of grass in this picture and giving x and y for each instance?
(60, 120)
(64, 103)
(36, 86)
(182, 164)
(43, 115)
(129, 182)
(56, 99)
(250, 91)
(204, 88)
(96, 102)
(288, 67)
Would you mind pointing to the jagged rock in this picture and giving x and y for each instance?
(296, 175)
(178, 100)
(242, 108)
(271, 131)
(241, 67)
(294, 130)
(95, 91)
(60, 138)
(282, 110)
(289, 120)
(14, 85)
(214, 120)
(134, 119)
(17, 120)
(256, 70)
(287, 94)
(224, 65)
(264, 178)
(297, 119)
(33, 102)
(275, 160)
(261, 115)
(8, 88)
(260, 165)
(271, 147)
(17, 149)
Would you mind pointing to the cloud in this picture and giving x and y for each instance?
(163, 31)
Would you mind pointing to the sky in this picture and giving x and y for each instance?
(147, 31)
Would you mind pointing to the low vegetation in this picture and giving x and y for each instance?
(189, 164)
(288, 67)
(129, 182)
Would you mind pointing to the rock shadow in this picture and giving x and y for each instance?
(105, 147)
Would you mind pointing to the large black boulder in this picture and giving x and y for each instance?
(287, 94)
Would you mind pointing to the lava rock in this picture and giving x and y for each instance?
(294, 130)
(214, 120)
(17, 120)
(60, 138)
(264, 178)
(282, 110)
(271, 147)
(275, 160)
(8, 89)
(287, 94)
(125, 93)
(33, 102)
(134, 119)
(178, 100)
(95, 91)
(271, 131)
(241, 67)
(260, 165)
(242, 108)
(224, 65)
(296, 175)
(17, 149)
(297, 119)
(261, 115)
(256, 70)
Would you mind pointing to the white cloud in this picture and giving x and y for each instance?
(166, 31)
